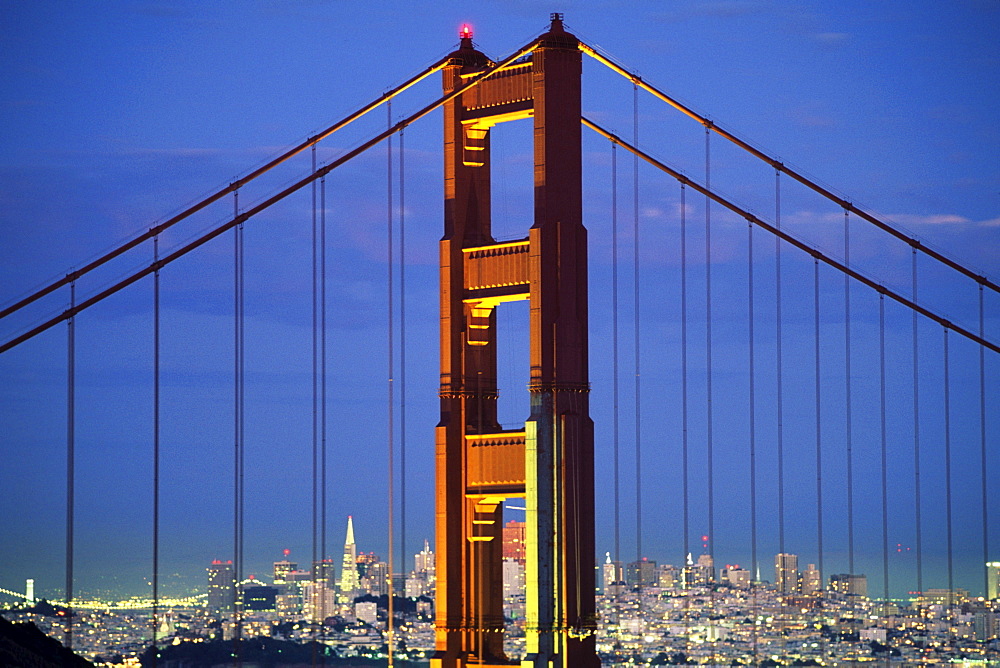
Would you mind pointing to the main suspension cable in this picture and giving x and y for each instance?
(232, 187)
(777, 164)
(793, 241)
(249, 213)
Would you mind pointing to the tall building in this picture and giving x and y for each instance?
(850, 584)
(282, 569)
(423, 561)
(350, 581)
(323, 572)
(993, 580)
(669, 576)
(421, 581)
(29, 590)
(812, 582)
(364, 560)
(611, 573)
(514, 541)
(786, 573)
(221, 589)
(318, 601)
(701, 573)
(641, 573)
(375, 581)
(736, 576)
(706, 569)
(513, 578)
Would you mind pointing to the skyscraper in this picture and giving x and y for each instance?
(992, 580)
(283, 568)
(786, 573)
(641, 573)
(706, 568)
(849, 583)
(423, 561)
(611, 572)
(737, 577)
(811, 580)
(375, 581)
(421, 581)
(221, 590)
(513, 541)
(350, 582)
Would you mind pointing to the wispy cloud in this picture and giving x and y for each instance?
(812, 115)
(832, 38)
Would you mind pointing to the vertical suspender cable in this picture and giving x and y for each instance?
(688, 571)
(885, 463)
(237, 431)
(819, 435)
(614, 342)
(156, 445)
(819, 415)
(778, 365)
(982, 445)
(70, 461)
(390, 344)
(753, 439)
(402, 359)
(684, 392)
(708, 355)
(318, 571)
(916, 434)
(847, 383)
(635, 307)
(947, 475)
(322, 380)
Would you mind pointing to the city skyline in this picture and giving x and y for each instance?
(124, 114)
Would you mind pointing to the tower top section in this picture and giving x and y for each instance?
(467, 56)
(557, 37)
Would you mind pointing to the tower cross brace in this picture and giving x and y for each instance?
(548, 463)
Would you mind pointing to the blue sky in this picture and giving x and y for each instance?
(119, 114)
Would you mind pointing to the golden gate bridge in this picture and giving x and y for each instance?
(860, 387)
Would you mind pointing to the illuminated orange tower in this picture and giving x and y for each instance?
(550, 462)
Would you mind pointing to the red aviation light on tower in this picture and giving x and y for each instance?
(286, 552)
(465, 32)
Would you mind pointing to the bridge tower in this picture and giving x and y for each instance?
(549, 463)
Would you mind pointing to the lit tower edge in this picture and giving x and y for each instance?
(550, 462)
